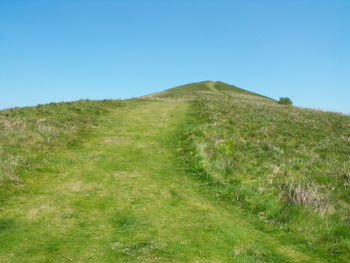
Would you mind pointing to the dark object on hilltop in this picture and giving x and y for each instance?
(285, 101)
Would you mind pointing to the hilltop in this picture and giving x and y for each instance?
(193, 91)
(203, 172)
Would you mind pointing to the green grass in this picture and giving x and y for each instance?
(288, 166)
(192, 91)
(28, 135)
(208, 173)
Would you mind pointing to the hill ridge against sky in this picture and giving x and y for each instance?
(208, 87)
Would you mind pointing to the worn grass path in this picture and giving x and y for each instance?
(123, 197)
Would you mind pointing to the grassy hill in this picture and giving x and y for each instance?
(192, 91)
(204, 172)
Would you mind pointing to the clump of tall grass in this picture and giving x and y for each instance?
(8, 166)
(302, 192)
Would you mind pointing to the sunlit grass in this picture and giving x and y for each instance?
(204, 173)
(289, 166)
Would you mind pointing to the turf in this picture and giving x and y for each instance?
(168, 179)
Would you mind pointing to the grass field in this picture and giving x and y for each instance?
(203, 173)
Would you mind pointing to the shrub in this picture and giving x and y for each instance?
(285, 101)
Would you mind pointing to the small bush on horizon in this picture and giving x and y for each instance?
(285, 101)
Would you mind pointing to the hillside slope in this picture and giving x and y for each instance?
(204, 172)
(288, 166)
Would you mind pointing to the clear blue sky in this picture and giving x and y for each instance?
(54, 50)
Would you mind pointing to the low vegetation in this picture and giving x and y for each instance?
(285, 101)
(28, 135)
(205, 172)
(288, 166)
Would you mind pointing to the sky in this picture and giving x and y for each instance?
(52, 51)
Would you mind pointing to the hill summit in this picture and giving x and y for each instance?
(201, 89)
